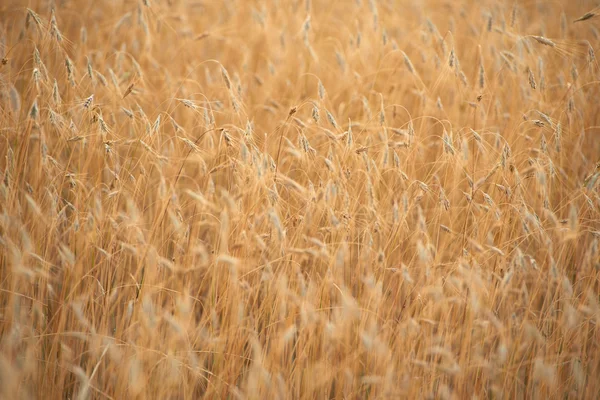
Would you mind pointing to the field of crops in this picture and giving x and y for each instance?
(299, 199)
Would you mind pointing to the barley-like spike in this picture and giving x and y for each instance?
(15, 99)
(544, 41)
(340, 60)
(36, 18)
(69, 65)
(544, 145)
(510, 62)
(331, 119)
(531, 78)
(586, 16)
(101, 78)
(89, 69)
(571, 104)
(408, 63)
(574, 72)
(156, 125)
(546, 118)
(33, 113)
(481, 76)
(538, 123)
(70, 71)
(137, 67)
(36, 78)
(103, 126)
(315, 113)
(449, 148)
(225, 76)
(87, 103)
(306, 24)
(127, 112)
(321, 90)
(188, 103)
(113, 78)
(83, 35)
(513, 15)
(234, 102)
(463, 79)
(36, 56)
(396, 160)
(54, 27)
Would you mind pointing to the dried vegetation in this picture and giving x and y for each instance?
(299, 199)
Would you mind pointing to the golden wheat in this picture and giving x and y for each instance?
(442, 244)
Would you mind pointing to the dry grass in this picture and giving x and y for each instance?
(299, 199)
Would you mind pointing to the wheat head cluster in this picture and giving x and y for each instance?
(299, 199)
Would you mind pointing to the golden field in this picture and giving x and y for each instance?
(292, 199)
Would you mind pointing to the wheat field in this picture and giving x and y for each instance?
(299, 199)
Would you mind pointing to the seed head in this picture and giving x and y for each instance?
(544, 41)
(531, 78)
(226, 77)
(315, 113)
(586, 16)
(321, 90)
(88, 102)
(331, 119)
(33, 113)
(408, 63)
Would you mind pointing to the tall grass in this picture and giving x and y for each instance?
(299, 199)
